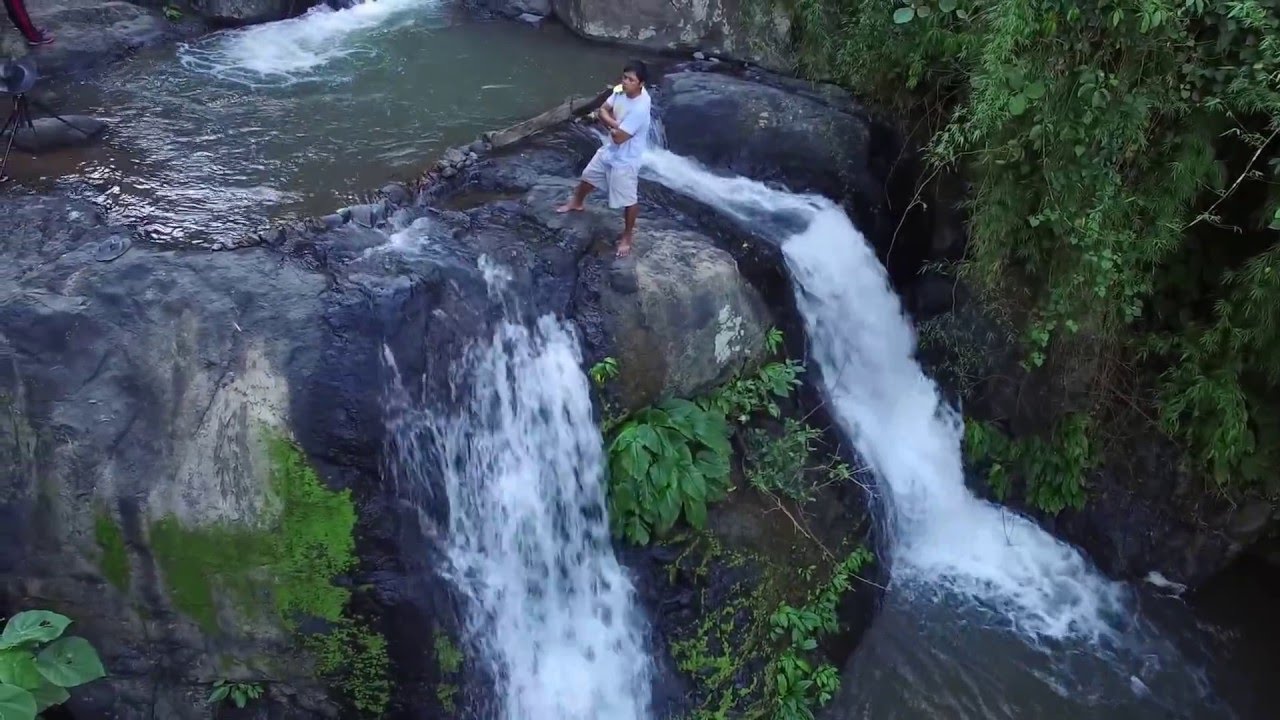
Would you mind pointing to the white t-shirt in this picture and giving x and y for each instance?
(633, 118)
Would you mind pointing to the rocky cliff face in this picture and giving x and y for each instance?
(191, 442)
(758, 31)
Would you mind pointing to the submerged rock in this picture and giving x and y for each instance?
(47, 133)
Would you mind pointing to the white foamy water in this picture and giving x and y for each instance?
(552, 611)
(297, 49)
(945, 540)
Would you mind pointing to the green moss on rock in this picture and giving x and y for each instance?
(115, 559)
(284, 566)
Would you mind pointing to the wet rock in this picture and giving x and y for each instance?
(516, 9)
(808, 138)
(90, 33)
(396, 193)
(682, 319)
(47, 133)
(448, 172)
(248, 12)
(531, 18)
(759, 32)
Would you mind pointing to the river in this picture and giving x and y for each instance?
(215, 138)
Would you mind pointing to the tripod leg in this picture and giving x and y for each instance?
(11, 126)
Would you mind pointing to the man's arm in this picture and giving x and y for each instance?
(623, 131)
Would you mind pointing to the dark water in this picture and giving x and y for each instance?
(298, 118)
(1214, 655)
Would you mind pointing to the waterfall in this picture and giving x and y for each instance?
(945, 540)
(297, 49)
(551, 610)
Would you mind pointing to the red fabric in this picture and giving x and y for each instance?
(18, 14)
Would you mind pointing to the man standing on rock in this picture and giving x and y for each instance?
(616, 165)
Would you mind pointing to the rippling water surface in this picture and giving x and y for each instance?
(213, 139)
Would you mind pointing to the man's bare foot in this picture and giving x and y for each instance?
(624, 245)
(571, 206)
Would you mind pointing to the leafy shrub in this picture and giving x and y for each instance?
(37, 664)
(239, 693)
(664, 462)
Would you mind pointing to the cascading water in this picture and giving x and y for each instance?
(296, 49)
(528, 541)
(993, 568)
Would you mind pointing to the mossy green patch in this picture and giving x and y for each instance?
(285, 563)
(449, 659)
(115, 559)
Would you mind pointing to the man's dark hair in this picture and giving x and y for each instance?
(639, 68)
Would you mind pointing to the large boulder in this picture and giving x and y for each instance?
(805, 137)
(249, 12)
(90, 33)
(757, 31)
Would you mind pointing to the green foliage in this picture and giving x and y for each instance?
(449, 659)
(603, 371)
(781, 464)
(669, 461)
(1053, 470)
(1125, 168)
(799, 687)
(38, 664)
(239, 693)
(756, 655)
(665, 462)
(742, 397)
(172, 12)
(286, 567)
(115, 559)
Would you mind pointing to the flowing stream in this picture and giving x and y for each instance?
(528, 541)
(1001, 619)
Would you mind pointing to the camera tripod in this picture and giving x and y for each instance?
(19, 116)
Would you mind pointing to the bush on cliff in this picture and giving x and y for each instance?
(1126, 189)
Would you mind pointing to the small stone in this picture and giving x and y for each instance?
(448, 172)
(472, 157)
(531, 18)
(453, 156)
(396, 193)
(477, 147)
(699, 55)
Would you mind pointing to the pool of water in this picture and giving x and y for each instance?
(216, 138)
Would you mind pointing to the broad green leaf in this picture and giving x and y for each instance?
(648, 437)
(904, 15)
(16, 703)
(923, 11)
(18, 667)
(668, 511)
(69, 662)
(695, 511)
(219, 694)
(33, 627)
(1018, 104)
(694, 486)
(47, 695)
(1035, 90)
(946, 6)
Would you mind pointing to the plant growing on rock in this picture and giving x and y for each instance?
(239, 693)
(665, 462)
(37, 664)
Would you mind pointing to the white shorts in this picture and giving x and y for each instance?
(622, 183)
